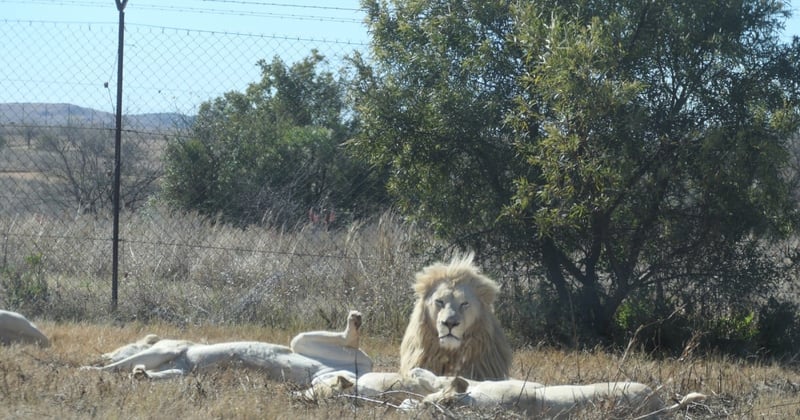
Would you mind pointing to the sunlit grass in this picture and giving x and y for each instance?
(183, 276)
(47, 382)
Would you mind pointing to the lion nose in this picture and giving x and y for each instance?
(450, 323)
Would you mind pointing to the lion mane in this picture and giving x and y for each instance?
(482, 352)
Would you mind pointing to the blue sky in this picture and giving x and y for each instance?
(70, 63)
(340, 19)
(68, 54)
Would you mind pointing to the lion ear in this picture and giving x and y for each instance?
(427, 278)
(486, 290)
(343, 382)
(459, 385)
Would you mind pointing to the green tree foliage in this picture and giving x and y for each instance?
(25, 288)
(628, 148)
(272, 152)
(433, 109)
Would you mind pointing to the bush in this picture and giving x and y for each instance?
(26, 287)
(662, 329)
(274, 155)
(778, 332)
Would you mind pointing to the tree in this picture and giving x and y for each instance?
(433, 110)
(81, 159)
(272, 152)
(627, 147)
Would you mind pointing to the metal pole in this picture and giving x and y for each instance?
(117, 159)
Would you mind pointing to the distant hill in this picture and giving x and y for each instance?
(46, 114)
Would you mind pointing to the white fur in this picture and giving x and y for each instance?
(420, 388)
(171, 358)
(559, 401)
(15, 328)
(326, 345)
(154, 357)
(129, 350)
(452, 329)
(383, 386)
(325, 352)
(394, 387)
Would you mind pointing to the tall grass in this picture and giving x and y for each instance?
(184, 276)
(47, 382)
(188, 270)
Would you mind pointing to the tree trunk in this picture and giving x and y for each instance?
(552, 262)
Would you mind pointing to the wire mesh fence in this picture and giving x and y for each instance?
(57, 165)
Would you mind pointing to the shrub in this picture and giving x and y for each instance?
(26, 287)
(662, 328)
(778, 331)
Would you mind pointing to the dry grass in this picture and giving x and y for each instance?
(186, 277)
(46, 383)
(188, 270)
(736, 389)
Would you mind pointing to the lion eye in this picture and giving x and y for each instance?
(439, 303)
(464, 305)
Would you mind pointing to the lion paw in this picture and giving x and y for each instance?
(139, 373)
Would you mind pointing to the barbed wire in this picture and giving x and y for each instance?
(105, 5)
(172, 56)
(253, 35)
(206, 247)
(130, 26)
(64, 103)
(299, 6)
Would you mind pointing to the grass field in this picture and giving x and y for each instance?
(186, 277)
(47, 382)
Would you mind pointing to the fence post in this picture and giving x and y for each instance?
(117, 159)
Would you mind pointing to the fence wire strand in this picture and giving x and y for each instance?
(56, 172)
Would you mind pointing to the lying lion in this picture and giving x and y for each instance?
(453, 329)
(559, 401)
(386, 387)
(326, 353)
(318, 343)
(15, 328)
(394, 387)
(129, 350)
(421, 388)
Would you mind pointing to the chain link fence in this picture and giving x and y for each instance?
(56, 176)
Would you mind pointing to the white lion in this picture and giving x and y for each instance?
(324, 344)
(419, 388)
(392, 387)
(163, 358)
(15, 328)
(129, 350)
(452, 329)
(559, 401)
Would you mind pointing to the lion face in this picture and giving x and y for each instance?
(452, 329)
(354, 320)
(454, 310)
